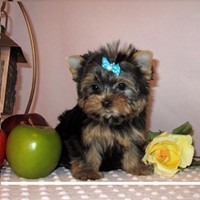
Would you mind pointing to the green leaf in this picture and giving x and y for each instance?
(184, 129)
(151, 135)
(181, 169)
(195, 162)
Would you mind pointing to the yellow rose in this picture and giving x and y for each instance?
(168, 152)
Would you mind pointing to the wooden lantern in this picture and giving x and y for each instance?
(10, 55)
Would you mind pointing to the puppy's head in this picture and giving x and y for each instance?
(112, 83)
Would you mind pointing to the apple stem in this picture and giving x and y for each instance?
(31, 122)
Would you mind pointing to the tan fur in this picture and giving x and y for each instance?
(104, 136)
(139, 105)
(130, 159)
(87, 80)
(99, 138)
(93, 104)
(93, 157)
(120, 105)
(98, 134)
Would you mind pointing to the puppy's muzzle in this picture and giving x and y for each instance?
(106, 103)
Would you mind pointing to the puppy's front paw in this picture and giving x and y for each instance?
(141, 170)
(86, 174)
(146, 170)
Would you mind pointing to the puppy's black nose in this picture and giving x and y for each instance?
(106, 103)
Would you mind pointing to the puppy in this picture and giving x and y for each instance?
(106, 129)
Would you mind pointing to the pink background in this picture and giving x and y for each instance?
(170, 28)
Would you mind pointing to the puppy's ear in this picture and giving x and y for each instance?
(74, 65)
(144, 60)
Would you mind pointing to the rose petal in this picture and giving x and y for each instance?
(185, 141)
(158, 169)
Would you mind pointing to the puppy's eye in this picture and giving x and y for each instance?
(95, 87)
(122, 86)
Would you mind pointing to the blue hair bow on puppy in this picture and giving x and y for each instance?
(115, 68)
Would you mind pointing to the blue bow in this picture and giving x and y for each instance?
(115, 68)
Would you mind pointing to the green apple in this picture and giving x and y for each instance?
(33, 152)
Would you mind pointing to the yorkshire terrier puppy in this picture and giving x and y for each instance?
(106, 129)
